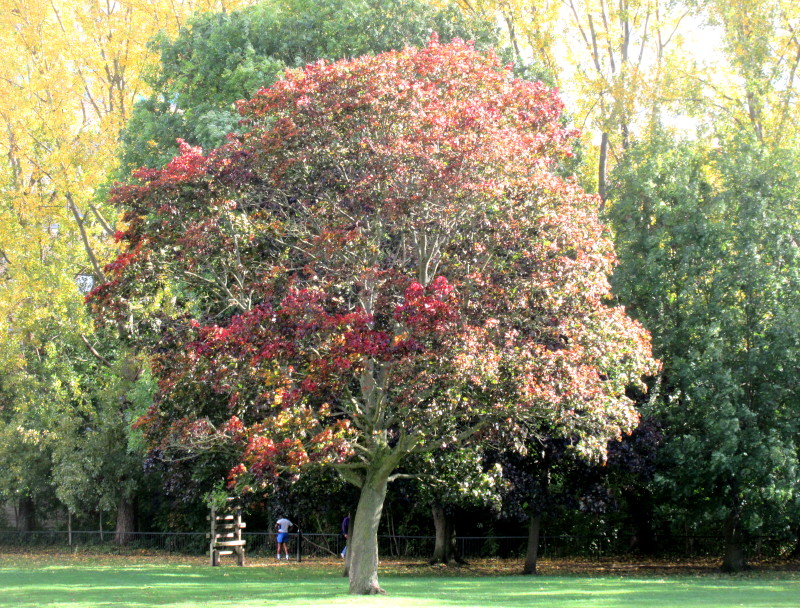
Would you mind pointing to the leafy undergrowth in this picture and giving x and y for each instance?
(622, 566)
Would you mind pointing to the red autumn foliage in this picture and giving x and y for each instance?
(386, 261)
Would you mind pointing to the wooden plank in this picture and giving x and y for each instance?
(231, 543)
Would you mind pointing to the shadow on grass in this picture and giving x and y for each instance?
(140, 586)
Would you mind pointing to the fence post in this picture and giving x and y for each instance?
(299, 544)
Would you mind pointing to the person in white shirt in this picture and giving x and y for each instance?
(282, 528)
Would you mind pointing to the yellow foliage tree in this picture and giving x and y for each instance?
(619, 63)
(761, 43)
(70, 74)
(626, 65)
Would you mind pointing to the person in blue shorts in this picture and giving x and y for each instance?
(282, 528)
(345, 533)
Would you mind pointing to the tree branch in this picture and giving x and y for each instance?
(85, 238)
(94, 352)
(106, 226)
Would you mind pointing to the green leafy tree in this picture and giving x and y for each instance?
(709, 262)
(97, 459)
(40, 366)
(447, 480)
(65, 420)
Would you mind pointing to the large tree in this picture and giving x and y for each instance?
(220, 58)
(384, 263)
(709, 262)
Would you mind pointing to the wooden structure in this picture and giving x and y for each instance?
(226, 533)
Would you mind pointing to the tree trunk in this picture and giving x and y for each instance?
(363, 543)
(26, 515)
(795, 554)
(734, 560)
(601, 168)
(126, 518)
(445, 550)
(643, 541)
(532, 553)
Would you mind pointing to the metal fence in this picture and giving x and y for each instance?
(411, 547)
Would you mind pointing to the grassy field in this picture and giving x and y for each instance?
(92, 581)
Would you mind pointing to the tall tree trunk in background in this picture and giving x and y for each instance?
(445, 550)
(26, 515)
(126, 522)
(643, 542)
(734, 560)
(602, 168)
(532, 553)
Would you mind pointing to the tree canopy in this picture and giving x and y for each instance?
(336, 286)
(709, 263)
(221, 58)
(71, 73)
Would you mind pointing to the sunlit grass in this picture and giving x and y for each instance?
(84, 582)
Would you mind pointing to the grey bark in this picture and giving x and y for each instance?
(601, 167)
(445, 550)
(363, 546)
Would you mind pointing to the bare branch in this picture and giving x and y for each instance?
(94, 352)
(107, 228)
(85, 238)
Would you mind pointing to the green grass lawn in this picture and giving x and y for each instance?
(66, 582)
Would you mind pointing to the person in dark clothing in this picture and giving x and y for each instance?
(345, 531)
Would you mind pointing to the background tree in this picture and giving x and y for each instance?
(346, 257)
(70, 75)
(449, 480)
(40, 371)
(622, 65)
(66, 96)
(97, 460)
(631, 478)
(759, 39)
(546, 484)
(708, 261)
